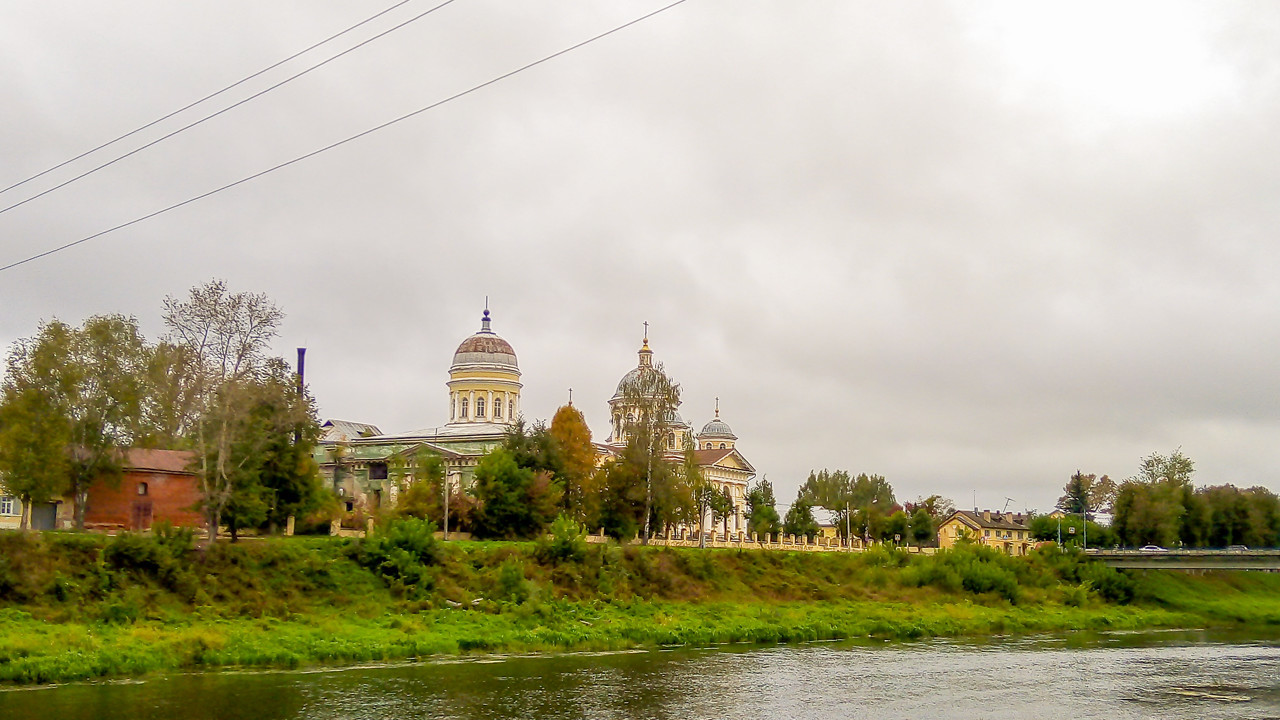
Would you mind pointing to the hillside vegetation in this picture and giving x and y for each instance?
(78, 606)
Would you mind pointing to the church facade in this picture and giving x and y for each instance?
(484, 387)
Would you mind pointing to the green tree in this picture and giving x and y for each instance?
(34, 464)
(650, 397)
(1087, 494)
(675, 490)
(577, 464)
(1151, 507)
(841, 494)
(622, 497)
(762, 510)
(225, 336)
(897, 527)
(268, 457)
(923, 529)
(534, 448)
(92, 377)
(513, 502)
(799, 519)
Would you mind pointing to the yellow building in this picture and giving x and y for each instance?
(1005, 532)
(484, 402)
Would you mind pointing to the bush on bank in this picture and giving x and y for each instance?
(74, 605)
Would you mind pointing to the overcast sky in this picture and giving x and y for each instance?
(971, 247)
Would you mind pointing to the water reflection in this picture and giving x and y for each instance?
(1183, 675)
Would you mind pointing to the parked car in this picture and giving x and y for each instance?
(1236, 548)
(1153, 548)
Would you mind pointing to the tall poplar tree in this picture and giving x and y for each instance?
(651, 398)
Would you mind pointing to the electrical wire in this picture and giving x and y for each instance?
(340, 143)
(210, 96)
(233, 106)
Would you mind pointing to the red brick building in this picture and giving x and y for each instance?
(157, 485)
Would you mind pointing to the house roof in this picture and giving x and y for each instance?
(166, 461)
(716, 456)
(343, 430)
(998, 521)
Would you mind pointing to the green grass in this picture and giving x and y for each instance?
(84, 606)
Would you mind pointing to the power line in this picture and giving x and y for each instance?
(357, 136)
(233, 106)
(210, 96)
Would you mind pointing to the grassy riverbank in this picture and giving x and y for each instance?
(76, 606)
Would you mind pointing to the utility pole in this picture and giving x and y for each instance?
(848, 525)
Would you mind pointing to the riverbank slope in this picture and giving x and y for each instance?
(84, 606)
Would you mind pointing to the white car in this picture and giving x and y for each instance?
(1152, 548)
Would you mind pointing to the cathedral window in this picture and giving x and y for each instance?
(511, 408)
(463, 414)
(497, 409)
(479, 408)
(721, 446)
(708, 446)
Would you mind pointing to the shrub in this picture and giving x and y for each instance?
(402, 553)
(566, 543)
(511, 583)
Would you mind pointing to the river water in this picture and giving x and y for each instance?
(1144, 675)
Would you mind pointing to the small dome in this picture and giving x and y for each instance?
(486, 348)
(717, 429)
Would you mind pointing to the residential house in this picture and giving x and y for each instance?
(1006, 532)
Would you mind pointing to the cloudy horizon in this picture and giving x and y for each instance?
(972, 247)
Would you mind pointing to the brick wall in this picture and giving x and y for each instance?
(168, 496)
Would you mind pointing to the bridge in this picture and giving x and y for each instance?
(1189, 559)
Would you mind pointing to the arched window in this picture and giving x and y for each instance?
(721, 446)
(511, 408)
(497, 409)
(479, 408)
(453, 407)
(142, 488)
(671, 441)
(708, 446)
(463, 413)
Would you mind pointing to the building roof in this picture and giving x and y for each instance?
(485, 348)
(165, 461)
(343, 430)
(717, 456)
(717, 429)
(997, 521)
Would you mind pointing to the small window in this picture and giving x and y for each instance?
(722, 446)
(463, 413)
(6, 505)
(497, 409)
(708, 446)
(511, 408)
(986, 533)
(479, 408)
(142, 488)
(671, 441)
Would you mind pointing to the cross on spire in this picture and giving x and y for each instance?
(646, 332)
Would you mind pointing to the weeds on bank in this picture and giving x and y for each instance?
(75, 606)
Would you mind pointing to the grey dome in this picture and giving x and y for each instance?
(717, 429)
(630, 378)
